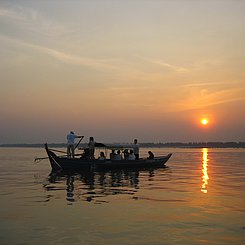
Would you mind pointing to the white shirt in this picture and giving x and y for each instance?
(136, 148)
(70, 138)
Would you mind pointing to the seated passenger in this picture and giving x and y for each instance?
(112, 154)
(85, 154)
(102, 156)
(131, 155)
(118, 156)
(151, 155)
(126, 154)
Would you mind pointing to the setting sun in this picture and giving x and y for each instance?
(204, 121)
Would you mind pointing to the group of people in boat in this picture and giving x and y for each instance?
(118, 155)
(115, 155)
(88, 152)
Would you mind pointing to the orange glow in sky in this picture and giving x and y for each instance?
(159, 71)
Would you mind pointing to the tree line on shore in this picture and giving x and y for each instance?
(151, 145)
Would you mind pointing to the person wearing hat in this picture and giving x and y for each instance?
(70, 144)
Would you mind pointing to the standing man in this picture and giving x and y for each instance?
(70, 144)
(91, 146)
(136, 149)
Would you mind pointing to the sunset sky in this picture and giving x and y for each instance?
(119, 70)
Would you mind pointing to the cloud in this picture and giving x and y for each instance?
(29, 21)
(202, 84)
(11, 15)
(99, 64)
(77, 60)
(26, 21)
(175, 68)
(172, 67)
(204, 98)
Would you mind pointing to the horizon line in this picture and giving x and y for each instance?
(201, 144)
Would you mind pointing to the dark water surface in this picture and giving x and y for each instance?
(199, 198)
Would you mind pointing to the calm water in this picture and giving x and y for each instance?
(198, 199)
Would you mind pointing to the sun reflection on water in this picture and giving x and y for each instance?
(205, 177)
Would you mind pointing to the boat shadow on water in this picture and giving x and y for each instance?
(97, 186)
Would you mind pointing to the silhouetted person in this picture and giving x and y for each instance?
(118, 156)
(126, 154)
(70, 144)
(136, 149)
(112, 154)
(151, 155)
(131, 155)
(91, 146)
(102, 156)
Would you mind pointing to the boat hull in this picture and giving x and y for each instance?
(64, 163)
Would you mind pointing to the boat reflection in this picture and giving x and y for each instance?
(205, 177)
(96, 186)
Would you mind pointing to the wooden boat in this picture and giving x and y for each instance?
(78, 163)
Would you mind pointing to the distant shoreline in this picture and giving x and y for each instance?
(150, 145)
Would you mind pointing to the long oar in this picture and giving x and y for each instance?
(79, 142)
(38, 159)
(57, 150)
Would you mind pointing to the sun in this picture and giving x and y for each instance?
(204, 121)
